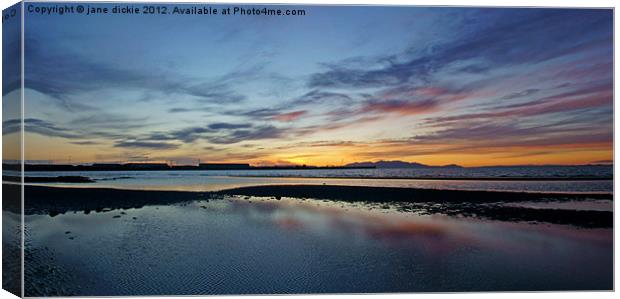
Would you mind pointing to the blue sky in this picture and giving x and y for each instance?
(338, 85)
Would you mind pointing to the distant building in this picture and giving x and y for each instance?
(223, 166)
(107, 165)
(149, 166)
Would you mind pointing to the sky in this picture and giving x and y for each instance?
(339, 85)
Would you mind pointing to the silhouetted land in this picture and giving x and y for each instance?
(241, 167)
(159, 167)
(245, 166)
(479, 204)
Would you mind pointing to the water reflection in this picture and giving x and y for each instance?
(257, 245)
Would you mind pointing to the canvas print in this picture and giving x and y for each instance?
(202, 149)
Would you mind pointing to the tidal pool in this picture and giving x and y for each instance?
(241, 245)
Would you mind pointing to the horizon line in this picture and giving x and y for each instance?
(170, 163)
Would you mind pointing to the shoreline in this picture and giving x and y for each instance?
(42, 179)
(473, 204)
(531, 179)
(403, 194)
(84, 179)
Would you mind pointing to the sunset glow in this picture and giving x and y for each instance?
(437, 86)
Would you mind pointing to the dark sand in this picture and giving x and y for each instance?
(394, 194)
(479, 204)
(54, 179)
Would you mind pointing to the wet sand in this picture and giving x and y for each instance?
(477, 204)
(261, 245)
(54, 179)
(300, 239)
(389, 194)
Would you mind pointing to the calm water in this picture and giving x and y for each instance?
(235, 245)
(218, 180)
(255, 245)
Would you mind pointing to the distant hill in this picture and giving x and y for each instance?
(398, 164)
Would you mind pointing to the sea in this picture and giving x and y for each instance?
(556, 178)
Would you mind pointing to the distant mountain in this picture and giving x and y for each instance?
(398, 164)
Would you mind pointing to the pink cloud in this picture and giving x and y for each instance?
(290, 116)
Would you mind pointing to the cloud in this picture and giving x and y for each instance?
(257, 113)
(85, 142)
(217, 133)
(207, 95)
(146, 144)
(178, 110)
(520, 36)
(186, 135)
(399, 107)
(406, 100)
(79, 133)
(11, 62)
(109, 121)
(39, 126)
(586, 97)
(324, 143)
(191, 134)
(529, 154)
(259, 133)
(64, 74)
(228, 126)
(289, 116)
(403, 100)
(319, 96)
(11, 126)
(499, 135)
(521, 94)
(49, 129)
(282, 110)
(488, 79)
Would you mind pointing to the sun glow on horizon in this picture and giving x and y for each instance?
(453, 87)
